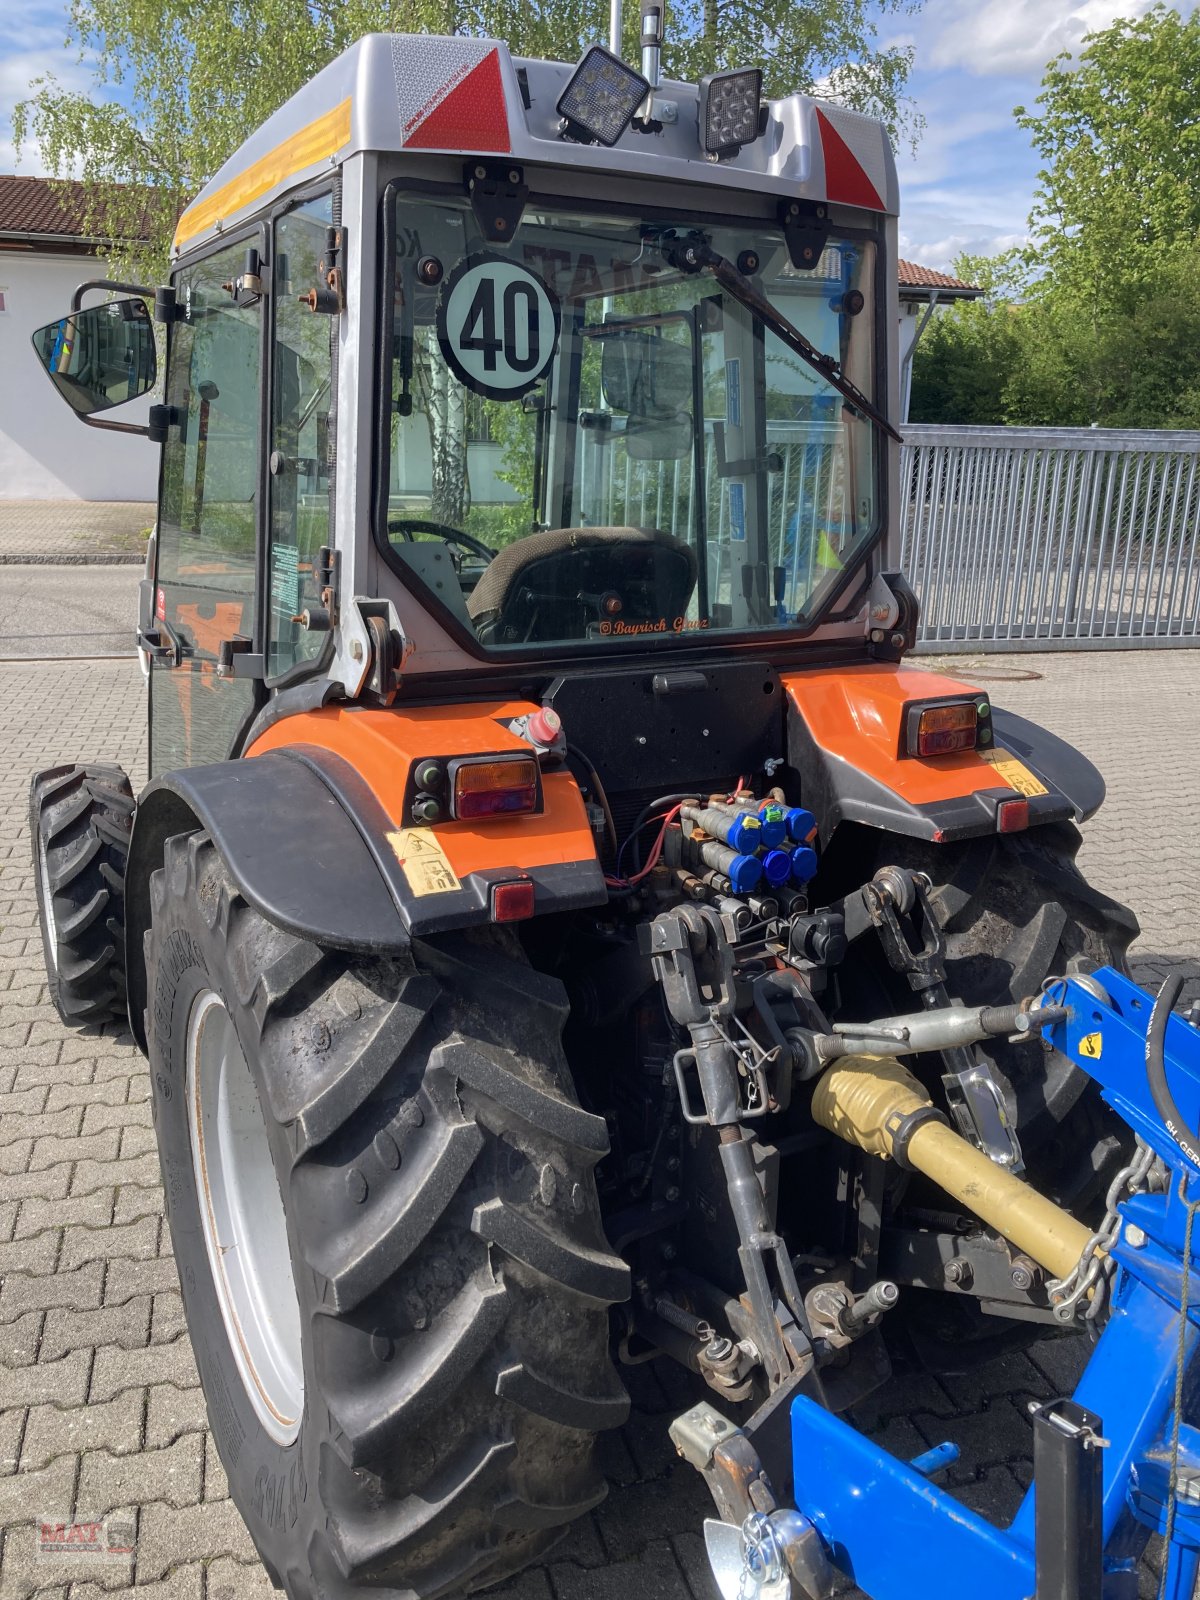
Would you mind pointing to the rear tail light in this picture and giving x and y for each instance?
(503, 786)
(1012, 816)
(943, 730)
(512, 902)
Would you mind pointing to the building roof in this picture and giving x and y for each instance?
(920, 283)
(43, 210)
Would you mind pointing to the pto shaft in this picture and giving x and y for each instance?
(877, 1103)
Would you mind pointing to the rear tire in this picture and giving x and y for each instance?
(1015, 910)
(80, 821)
(450, 1271)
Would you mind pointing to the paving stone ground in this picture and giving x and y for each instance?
(100, 1409)
(74, 532)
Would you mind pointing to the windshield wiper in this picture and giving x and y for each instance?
(694, 254)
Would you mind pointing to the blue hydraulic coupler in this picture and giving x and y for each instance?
(777, 866)
(744, 872)
(800, 823)
(804, 864)
(740, 830)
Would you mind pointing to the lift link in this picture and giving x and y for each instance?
(975, 1099)
(693, 961)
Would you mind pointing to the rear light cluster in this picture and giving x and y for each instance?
(473, 787)
(948, 727)
(494, 788)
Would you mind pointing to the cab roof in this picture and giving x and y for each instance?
(465, 96)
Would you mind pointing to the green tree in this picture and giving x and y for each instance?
(1120, 140)
(1095, 319)
(965, 358)
(177, 87)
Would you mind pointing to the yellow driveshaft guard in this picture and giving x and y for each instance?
(865, 1102)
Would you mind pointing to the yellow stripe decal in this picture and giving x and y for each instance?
(314, 143)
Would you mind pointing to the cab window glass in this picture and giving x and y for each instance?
(208, 516)
(301, 410)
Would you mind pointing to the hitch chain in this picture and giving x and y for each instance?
(1087, 1285)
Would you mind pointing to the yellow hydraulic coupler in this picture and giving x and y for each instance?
(878, 1105)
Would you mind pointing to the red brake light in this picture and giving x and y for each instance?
(494, 788)
(943, 730)
(1012, 816)
(513, 902)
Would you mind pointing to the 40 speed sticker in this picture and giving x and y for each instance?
(497, 325)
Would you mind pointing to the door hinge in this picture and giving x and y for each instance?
(235, 659)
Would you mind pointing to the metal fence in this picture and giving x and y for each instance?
(1046, 538)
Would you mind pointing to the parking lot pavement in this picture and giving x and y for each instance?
(100, 1409)
(74, 532)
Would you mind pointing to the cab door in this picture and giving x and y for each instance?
(210, 514)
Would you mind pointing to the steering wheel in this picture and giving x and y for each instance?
(409, 527)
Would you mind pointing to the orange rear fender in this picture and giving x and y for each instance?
(445, 871)
(846, 739)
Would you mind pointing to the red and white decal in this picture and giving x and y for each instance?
(854, 176)
(451, 96)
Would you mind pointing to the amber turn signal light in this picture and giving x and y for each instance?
(495, 787)
(944, 729)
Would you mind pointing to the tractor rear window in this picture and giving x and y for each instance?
(592, 440)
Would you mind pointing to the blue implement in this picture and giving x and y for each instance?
(900, 1537)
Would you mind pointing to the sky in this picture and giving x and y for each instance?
(970, 183)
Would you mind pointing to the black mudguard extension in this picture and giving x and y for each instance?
(291, 848)
(836, 791)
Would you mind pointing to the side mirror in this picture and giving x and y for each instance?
(100, 357)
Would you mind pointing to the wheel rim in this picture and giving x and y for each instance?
(245, 1227)
(51, 940)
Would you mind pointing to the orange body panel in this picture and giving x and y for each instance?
(855, 713)
(381, 745)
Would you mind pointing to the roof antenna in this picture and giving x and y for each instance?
(653, 30)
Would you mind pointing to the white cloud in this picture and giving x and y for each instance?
(998, 37)
(19, 70)
(941, 251)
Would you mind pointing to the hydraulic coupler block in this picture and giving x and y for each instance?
(879, 1106)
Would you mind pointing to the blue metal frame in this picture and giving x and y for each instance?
(896, 1534)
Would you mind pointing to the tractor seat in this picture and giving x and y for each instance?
(577, 583)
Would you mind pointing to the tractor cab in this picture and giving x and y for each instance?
(546, 365)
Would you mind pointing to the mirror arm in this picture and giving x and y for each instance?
(115, 427)
(139, 289)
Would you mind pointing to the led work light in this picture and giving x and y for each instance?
(729, 110)
(598, 103)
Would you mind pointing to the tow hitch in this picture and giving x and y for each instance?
(1113, 1464)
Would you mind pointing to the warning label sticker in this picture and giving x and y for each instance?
(423, 861)
(1091, 1046)
(1015, 773)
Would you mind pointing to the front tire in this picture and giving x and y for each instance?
(431, 1173)
(80, 822)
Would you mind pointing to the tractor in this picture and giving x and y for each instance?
(547, 842)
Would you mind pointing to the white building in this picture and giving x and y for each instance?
(44, 453)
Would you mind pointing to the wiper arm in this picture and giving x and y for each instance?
(695, 254)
